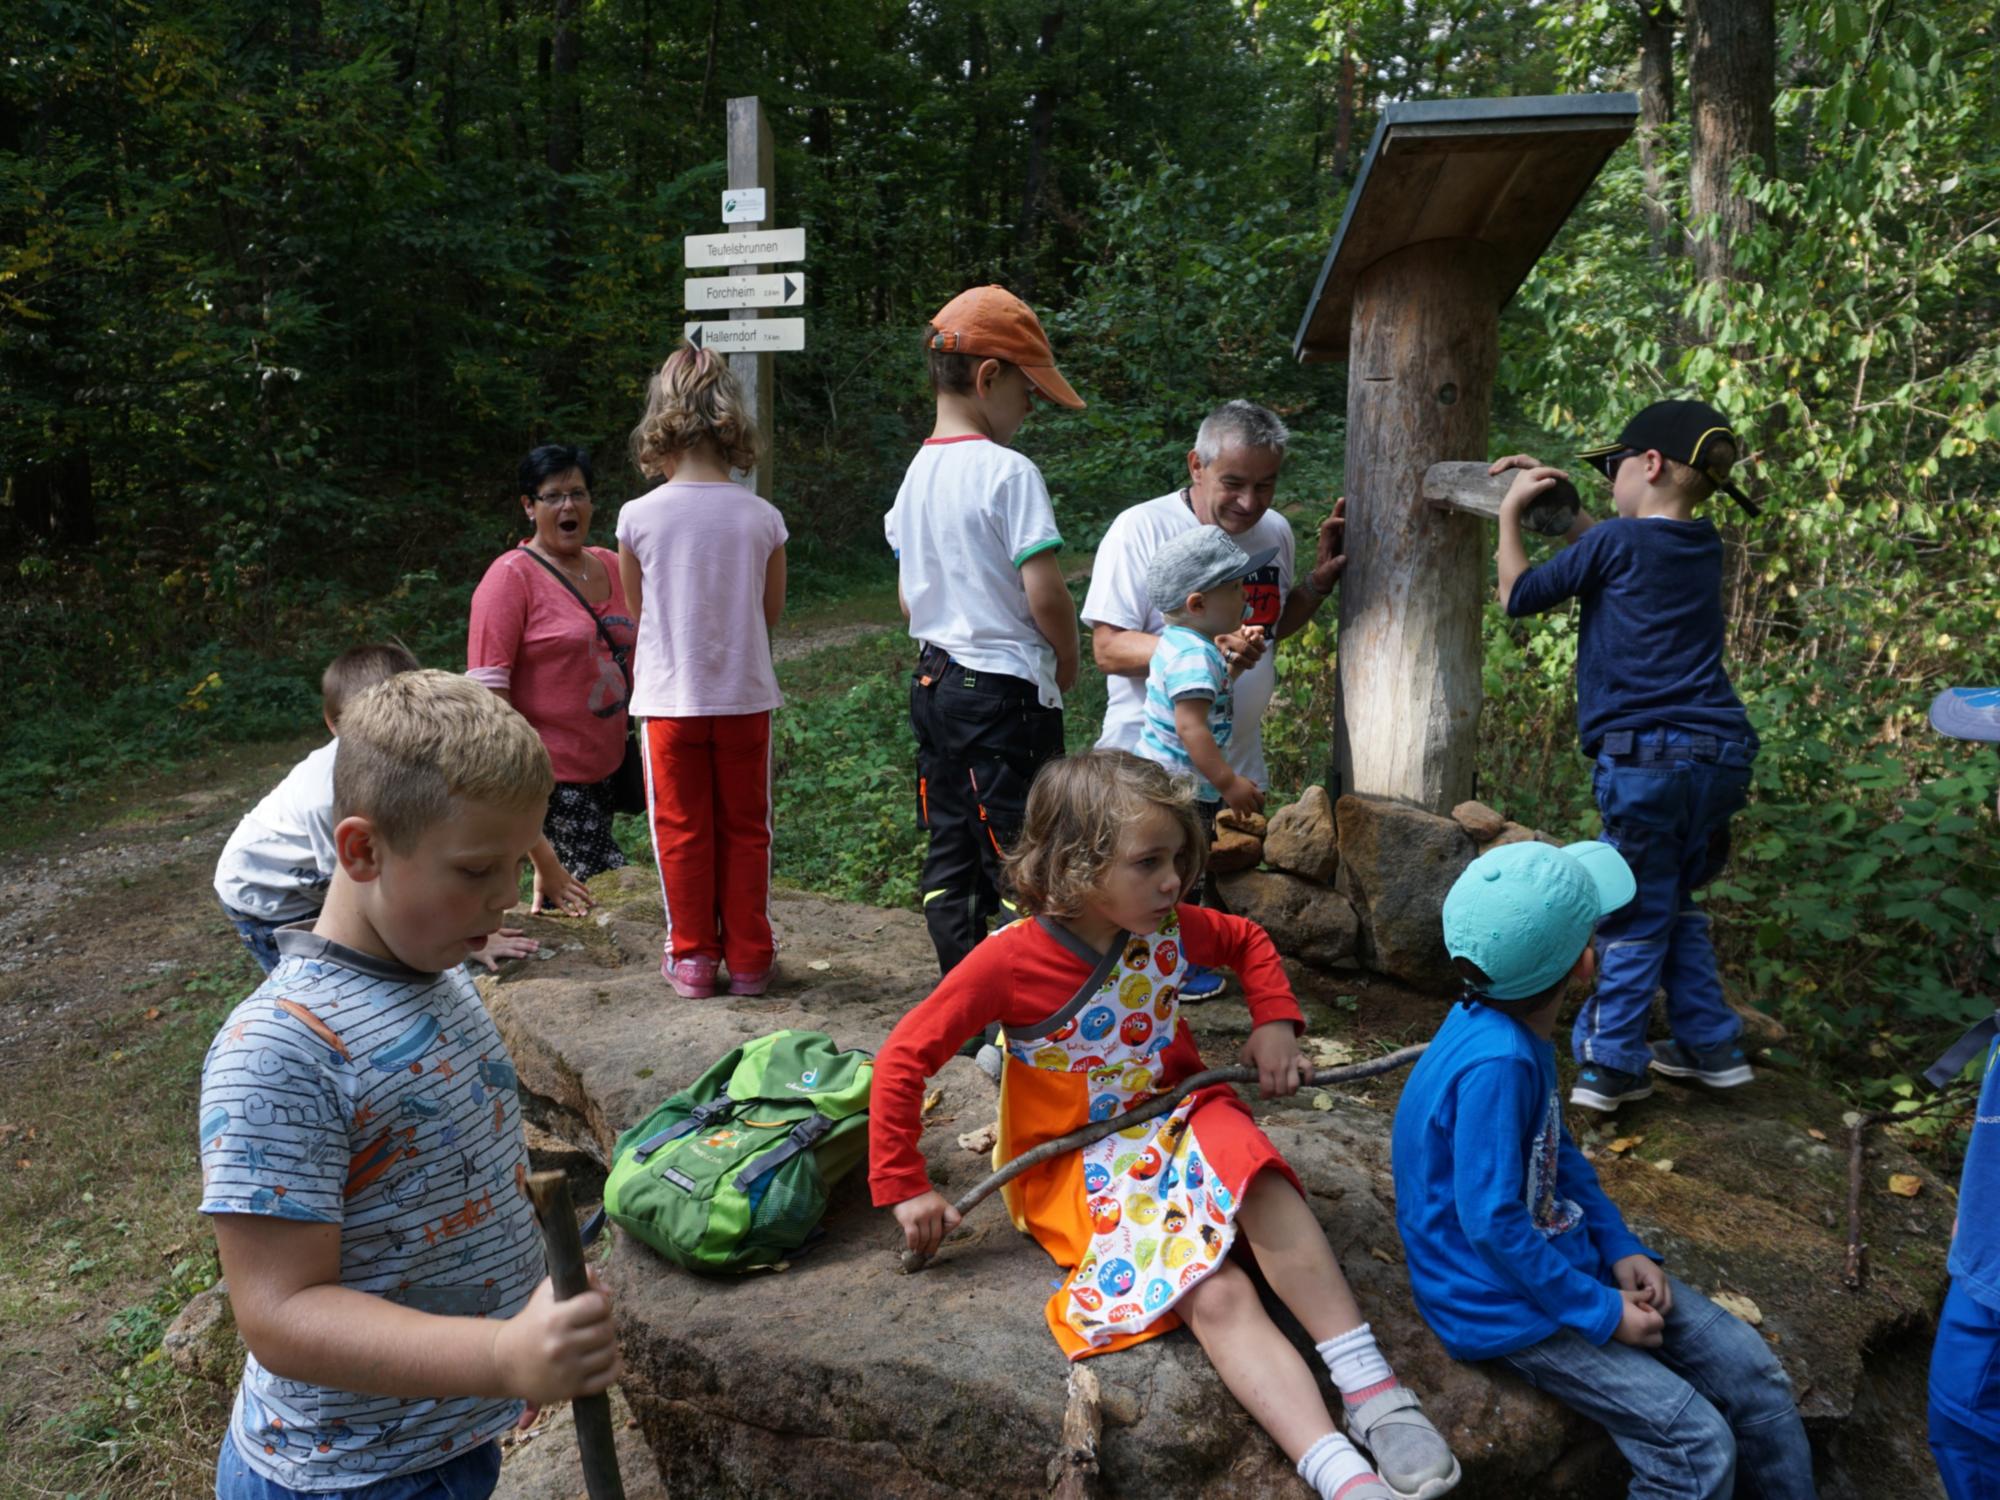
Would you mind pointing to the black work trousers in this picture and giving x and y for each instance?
(981, 737)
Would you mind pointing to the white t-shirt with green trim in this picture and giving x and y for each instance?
(969, 514)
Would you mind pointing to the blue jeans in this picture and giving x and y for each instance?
(1965, 1397)
(1667, 802)
(259, 936)
(1690, 1416)
(473, 1475)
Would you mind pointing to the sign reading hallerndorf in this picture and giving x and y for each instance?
(749, 247)
(748, 335)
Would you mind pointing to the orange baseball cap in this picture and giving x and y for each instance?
(992, 322)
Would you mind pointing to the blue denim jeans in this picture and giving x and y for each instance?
(473, 1475)
(1667, 802)
(1965, 1397)
(259, 936)
(1708, 1406)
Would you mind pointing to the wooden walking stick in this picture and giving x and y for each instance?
(1152, 1109)
(549, 1192)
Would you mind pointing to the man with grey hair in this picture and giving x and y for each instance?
(1232, 479)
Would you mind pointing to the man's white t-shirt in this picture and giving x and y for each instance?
(969, 514)
(1118, 598)
(280, 860)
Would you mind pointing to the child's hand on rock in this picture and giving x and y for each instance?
(926, 1220)
(1242, 795)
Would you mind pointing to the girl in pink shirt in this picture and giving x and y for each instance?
(704, 561)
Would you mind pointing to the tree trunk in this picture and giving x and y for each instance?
(1656, 112)
(1425, 344)
(565, 139)
(510, 76)
(1732, 60)
(1343, 124)
(708, 67)
(1041, 128)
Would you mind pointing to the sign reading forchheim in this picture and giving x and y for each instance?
(701, 293)
(750, 247)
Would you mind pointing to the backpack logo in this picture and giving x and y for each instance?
(808, 1081)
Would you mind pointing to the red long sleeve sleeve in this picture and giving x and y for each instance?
(1217, 940)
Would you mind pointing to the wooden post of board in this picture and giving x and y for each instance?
(1455, 202)
(751, 165)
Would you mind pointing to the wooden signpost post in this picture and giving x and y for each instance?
(751, 244)
(1455, 202)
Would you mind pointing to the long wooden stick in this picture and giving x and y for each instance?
(549, 1192)
(1152, 1109)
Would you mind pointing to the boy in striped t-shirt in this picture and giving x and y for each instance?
(1196, 583)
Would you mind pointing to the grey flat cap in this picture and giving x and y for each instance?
(1197, 561)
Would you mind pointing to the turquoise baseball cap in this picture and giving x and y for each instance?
(1523, 912)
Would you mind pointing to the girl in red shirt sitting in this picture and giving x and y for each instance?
(1087, 992)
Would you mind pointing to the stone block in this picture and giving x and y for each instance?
(1397, 862)
(1308, 922)
(1303, 839)
(1479, 820)
(202, 1340)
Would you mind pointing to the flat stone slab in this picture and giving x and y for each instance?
(840, 1376)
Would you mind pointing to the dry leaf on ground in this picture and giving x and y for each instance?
(1816, 1134)
(1322, 1100)
(933, 1100)
(819, 966)
(1623, 1144)
(1905, 1184)
(1664, 1164)
(1742, 1306)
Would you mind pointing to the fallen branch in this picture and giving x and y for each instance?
(1857, 1168)
(1073, 1471)
(1152, 1109)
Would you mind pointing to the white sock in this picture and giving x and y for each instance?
(1331, 1464)
(1355, 1364)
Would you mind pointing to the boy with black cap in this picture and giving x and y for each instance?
(977, 577)
(1656, 711)
(1514, 1252)
(1965, 1360)
(1195, 581)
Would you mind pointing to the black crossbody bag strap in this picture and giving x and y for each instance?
(624, 667)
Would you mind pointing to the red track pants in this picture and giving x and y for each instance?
(708, 796)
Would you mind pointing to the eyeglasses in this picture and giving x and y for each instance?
(575, 497)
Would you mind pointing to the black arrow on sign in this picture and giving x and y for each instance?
(695, 337)
(791, 288)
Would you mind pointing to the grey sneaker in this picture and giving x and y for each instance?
(1722, 1066)
(1409, 1454)
(1603, 1088)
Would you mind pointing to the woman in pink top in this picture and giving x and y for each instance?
(705, 559)
(550, 622)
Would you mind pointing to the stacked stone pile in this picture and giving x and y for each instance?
(1357, 883)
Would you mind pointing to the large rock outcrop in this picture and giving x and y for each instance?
(841, 1376)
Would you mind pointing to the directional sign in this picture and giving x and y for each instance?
(748, 335)
(748, 247)
(701, 293)
(743, 206)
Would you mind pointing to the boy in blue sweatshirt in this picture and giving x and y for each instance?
(1516, 1255)
(1655, 710)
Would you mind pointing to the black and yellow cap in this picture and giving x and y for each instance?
(1680, 430)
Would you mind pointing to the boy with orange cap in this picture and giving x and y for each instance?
(978, 579)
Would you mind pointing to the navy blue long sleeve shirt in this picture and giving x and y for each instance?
(1507, 1235)
(1649, 649)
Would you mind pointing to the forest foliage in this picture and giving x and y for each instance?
(285, 291)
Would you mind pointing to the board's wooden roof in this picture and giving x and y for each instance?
(1505, 172)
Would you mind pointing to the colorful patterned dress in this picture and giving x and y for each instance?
(1140, 1217)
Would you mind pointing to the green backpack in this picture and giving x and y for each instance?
(733, 1172)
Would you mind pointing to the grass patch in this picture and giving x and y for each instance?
(101, 1245)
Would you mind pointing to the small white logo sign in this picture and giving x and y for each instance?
(743, 205)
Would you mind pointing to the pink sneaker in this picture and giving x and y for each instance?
(748, 984)
(692, 978)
